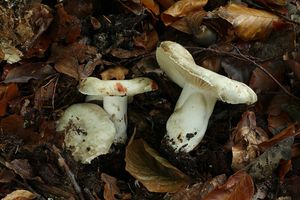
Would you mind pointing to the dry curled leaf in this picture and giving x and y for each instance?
(20, 195)
(148, 40)
(181, 9)
(249, 23)
(245, 139)
(238, 186)
(152, 170)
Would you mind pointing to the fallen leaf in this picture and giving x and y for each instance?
(288, 132)
(249, 23)
(45, 93)
(165, 4)
(7, 93)
(148, 40)
(238, 186)
(22, 168)
(263, 167)
(260, 81)
(152, 170)
(245, 139)
(199, 190)
(118, 73)
(20, 195)
(79, 8)
(151, 5)
(27, 71)
(122, 53)
(292, 185)
(6, 175)
(180, 9)
(284, 168)
(273, 2)
(110, 188)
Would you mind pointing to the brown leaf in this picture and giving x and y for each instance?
(20, 195)
(22, 168)
(289, 131)
(245, 139)
(273, 2)
(148, 40)
(260, 81)
(122, 53)
(7, 93)
(180, 9)
(6, 175)
(165, 4)
(110, 188)
(249, 23)
(45, 93)
(151, 5)
(153, 171)
(262, 168)
(67, 27)
(199, 190)
(27, 71)
(118, 73)
(238, 186)
(79, 8)
(285, 167)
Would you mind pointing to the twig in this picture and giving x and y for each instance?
(70, 174)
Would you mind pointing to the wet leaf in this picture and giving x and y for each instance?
(118, 73)
(45, 93)
(238, 186)
(122, 53)
(245, 138)
(181, 9)
(249, 23)
(199, 190)
(263, 167)
(110, 188)
(285, 167)
(153, 171)
(7, 93)
(27, 71)
(20, 195)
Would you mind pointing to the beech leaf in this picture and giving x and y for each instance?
(181, 9)
(239, 186)
(249, 23)
(152, 170)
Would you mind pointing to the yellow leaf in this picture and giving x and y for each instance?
(20, 195)
(152, 170)
(249, 23)
(151, 5)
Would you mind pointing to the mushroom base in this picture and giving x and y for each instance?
(187, 125)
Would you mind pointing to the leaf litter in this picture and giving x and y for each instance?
(48, 47)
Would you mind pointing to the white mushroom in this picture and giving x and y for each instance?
(115, 96)
(88, 131)
(201, 89)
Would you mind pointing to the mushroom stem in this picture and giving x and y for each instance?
(187, 125)
(116, 107)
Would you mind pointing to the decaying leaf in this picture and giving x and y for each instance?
(285, 167)
(7, 93)
(45, 93)
(23, 168)
(180, 9)
(245, 139)
(123, 53)
(263, 167)
(20, 195)
(238, 186)
(118, 73)
(152, 170)
(249, 23)
(148, 40)
(6, 175)
(199, 190)
(110, 188)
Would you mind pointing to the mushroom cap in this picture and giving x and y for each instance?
(95, 86)
(89, 132)
(181, 68)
